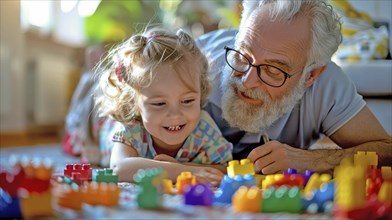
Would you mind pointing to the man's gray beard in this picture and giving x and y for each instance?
(255, 118)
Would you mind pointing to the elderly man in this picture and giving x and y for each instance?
(275, 79)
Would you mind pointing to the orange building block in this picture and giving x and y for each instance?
(35, 204)
(242, 167)
(247, 199)
(66, 196)
(185, 178)
(106, 194)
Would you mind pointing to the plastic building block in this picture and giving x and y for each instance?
(290, 180)
(306, 175)
(149, 181)
(350, 185)
(78, 172)
(365, 158)
(106, 194)
(229, 186)
(66, 196)
(35, 204)
(242, 167)
(167, 186)
(372, 209)
(105, 175)
(94, 193)
(184, 179)
(315, 182)
(9, 207)
(373, 181)
(320, 199)
(386, 173)
(385, 193)
(199, 194)
(282, 199)
(247, 199)
(259, 179)
(270, 179)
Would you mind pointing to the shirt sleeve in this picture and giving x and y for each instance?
(217, 149)
(128, 135)
(339, 101)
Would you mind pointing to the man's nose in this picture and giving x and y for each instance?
(250, 79)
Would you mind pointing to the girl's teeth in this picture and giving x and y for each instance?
(174, 128)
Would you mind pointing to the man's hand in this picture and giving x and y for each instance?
(275, 157)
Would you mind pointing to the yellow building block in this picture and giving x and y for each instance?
(350, 185)
(365, 158)
(270, 180)
(315, 181)
(386, 173)
(247, 199)
(242, 167)
(385, 193)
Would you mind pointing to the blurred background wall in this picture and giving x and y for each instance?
(43, 46)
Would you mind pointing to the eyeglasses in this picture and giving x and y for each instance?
(270, 75)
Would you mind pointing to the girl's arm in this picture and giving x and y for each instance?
(125, 163)
(167, 158)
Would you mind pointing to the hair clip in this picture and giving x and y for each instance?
(120, 70)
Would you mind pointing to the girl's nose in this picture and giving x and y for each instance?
(251, 79)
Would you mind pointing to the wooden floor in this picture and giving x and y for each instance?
(28, 138)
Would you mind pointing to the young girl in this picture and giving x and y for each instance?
(155, 85)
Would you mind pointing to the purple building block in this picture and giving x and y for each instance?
(199, 194)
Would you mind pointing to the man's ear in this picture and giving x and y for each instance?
(313, 75)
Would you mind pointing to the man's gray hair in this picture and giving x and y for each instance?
(326, 26)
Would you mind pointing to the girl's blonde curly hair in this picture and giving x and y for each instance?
(131, 66)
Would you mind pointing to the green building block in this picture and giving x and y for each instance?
(105, 176)
(282, 199)
(148, 180)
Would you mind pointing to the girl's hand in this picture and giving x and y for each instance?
(164, 157)
(207, 175)
(203, 173)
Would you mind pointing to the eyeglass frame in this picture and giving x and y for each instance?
(286, 75)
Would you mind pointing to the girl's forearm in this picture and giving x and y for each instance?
(219, 167)
(127, 167)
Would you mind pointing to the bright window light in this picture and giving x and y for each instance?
(87, 7)
(37, 13)
(68, 5)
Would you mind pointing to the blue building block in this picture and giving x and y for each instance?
(9, 207)
(199, 194)
(320, 199)
(229, 186)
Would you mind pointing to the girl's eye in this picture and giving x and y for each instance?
(188, 101)
(158, 103)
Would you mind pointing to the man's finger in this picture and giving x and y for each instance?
(259, 152)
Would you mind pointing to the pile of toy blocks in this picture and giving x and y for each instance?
(25, 189)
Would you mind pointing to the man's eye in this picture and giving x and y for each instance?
(188, 101)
